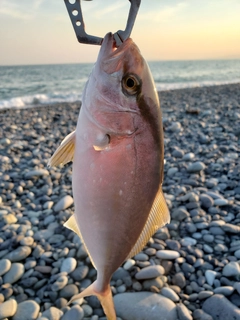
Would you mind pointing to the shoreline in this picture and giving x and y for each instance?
(190, 267)
(79, 101)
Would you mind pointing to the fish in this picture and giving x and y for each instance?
(117, 152)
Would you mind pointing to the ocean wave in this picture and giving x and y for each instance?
(39, 99)
(185, 85)
(57, 97)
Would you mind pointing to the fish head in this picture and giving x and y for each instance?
(124, 75)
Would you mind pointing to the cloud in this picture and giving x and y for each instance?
(163, 14)
(113, 8)
(23, 10)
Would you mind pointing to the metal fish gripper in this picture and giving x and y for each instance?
(75, 12)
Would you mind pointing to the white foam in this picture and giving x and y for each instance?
(39, 99)
(184, 85)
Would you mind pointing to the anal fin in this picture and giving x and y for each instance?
(64, 152)
(158, 217)
(71, 224)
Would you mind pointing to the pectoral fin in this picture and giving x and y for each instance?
(71, 224)
(64, 152)
(158, 217)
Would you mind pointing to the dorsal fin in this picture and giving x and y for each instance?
(158, 217)
(71, 224)
(64, 152)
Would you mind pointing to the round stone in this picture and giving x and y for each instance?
(221, 308)
(14, 274)
(5, 266)
(175, 127)
(167, 254)
(206, 201)
(144, 305)
(68, 291)
(129, 264)
(231, 269)
(210, 276)
(196, 167)
(60, 283)
(188, 241)
(68, 265)
(76, 312)
(141, 257)
(183, 312)
(52, 314)
(204, 295)
(172, 171)
(36, 173)
(179, 280)
(63, 203)
(188, 156)
(8, 308)
(150, 272)
(157, 283)
(27, 310)
(19, 254)
(220, 202)
(27, 241)
(170, 294)
(225, 290)
(80, 273)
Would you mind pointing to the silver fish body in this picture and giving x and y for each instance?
(117, 152)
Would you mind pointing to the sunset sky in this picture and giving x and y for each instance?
(40, 31)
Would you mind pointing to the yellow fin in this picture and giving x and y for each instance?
(104, 297)
(71, 224)
(158, 217)
(64, 152)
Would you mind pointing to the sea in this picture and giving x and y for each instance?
(33, 85)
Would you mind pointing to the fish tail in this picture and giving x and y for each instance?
(105, 298)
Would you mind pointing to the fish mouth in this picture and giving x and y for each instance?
(109, 50)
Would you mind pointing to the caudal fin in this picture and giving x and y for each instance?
(104, 297)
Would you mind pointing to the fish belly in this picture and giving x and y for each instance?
(113, 193)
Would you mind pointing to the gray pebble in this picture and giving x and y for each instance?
(149, 272)
(5, 266)
(36, 173)
(206, 201)
(220, 202)
(27, 310)
(170, 294)
(210, 276)
(19, 254)
(68, 291)
(167, 254)
(52, 314)
(179, 280)
(8, 308)
(221, 308)
(63, 203)
(183, 312)
(60, 283)
(231, 269)
(196, 167)
(144, 305)
(14, 274)
(76, 312)
(68, 265)
(225, 290)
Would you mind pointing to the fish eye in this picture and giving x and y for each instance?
(131, 84)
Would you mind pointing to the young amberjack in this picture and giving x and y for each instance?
(117, 153)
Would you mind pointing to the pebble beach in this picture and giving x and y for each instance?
(190, 269)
